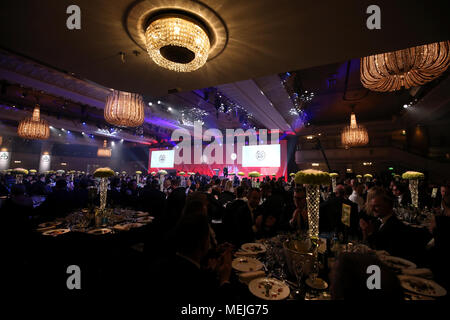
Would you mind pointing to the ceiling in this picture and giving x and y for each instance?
(265, 37)
(320, 42)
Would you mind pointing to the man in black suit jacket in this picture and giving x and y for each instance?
(153, 200)
(243, 226)
(330, 213)
(175, 203)
(388, 233)
(402, 194)
(181, 277)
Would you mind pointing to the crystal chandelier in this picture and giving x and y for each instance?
(124, 109)
(104, 152)
(34, 127)
(405, 68)
(177, 43)
(354, 134)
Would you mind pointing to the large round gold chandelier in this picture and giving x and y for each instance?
(124, 109)
(405, 68)
(354, 134)
(177, 43)
(34, 127)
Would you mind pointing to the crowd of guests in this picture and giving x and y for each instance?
(202, 219)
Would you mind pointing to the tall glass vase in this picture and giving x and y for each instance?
(161, 183)
(19, 178)
(333, 183)
(414, 188)
(103, 192)
(312, 202)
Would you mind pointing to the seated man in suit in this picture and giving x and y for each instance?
(388, 233)
(331, 212)
(243, 225)
(182, 277)
(402, 195)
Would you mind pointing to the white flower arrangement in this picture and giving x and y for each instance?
(311, 176)
(181, 173)
(138, 172)
(359, 176)
(103, 173)
(254, 174)
(334, 175)
(240, 173)
(412, 175)
(368, 175)
(124, 172)
(153, 173)
(20, 171)
(162, 172)
(60, 171)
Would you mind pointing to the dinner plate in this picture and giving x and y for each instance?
(145, 219)
(317, 283)
(55, 232)
(246, 264)
(397, 263)
(254, 247)
(422, 286)
(269, 289)
(50, 224)
(100, 231)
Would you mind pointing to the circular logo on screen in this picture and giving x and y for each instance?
(162, 158)
(260, 155)
(45, 158)
(4, 156)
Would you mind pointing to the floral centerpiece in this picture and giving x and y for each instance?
(32, 171)
(254, 174)
(413, 177)
(191, 173)
(359, 177)
(103, 174)
(241, 174)
(368, 177)
(153, 173)
(232, 174)
(333, 177)
(182, 173)
(313, 179)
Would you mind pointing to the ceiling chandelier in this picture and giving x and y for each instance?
(354, 134)
(105, 151)
(124, 109)
(405, 68)
(34, 127)
(177, 42)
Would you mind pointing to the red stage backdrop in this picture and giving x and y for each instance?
(207, 169)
